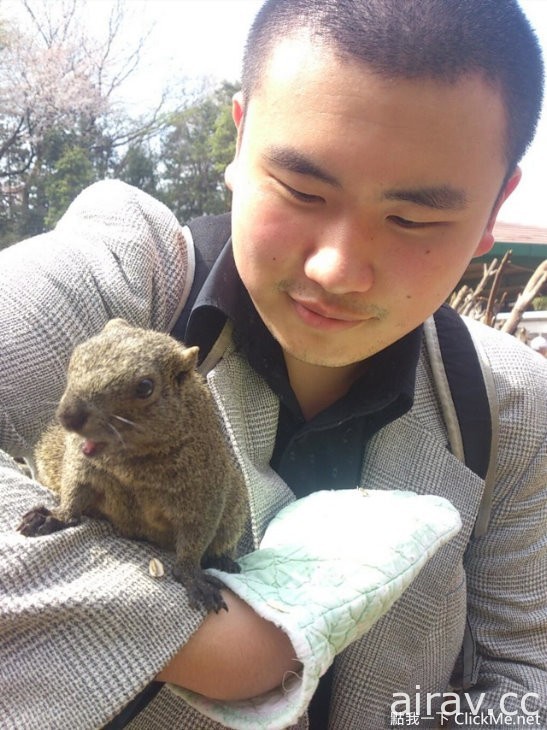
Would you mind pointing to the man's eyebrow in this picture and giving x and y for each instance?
(442, 197)
(294, 161)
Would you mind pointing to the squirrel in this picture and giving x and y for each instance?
(137, 440)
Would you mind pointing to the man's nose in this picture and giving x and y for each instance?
(341, 260)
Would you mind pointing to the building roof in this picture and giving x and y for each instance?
(517, 233)
(528, 246)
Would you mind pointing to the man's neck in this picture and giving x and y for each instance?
(317, 387)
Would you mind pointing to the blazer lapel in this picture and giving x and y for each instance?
(405, 455)
(250, 413)
(417, 642)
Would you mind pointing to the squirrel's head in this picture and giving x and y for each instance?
(129, 388)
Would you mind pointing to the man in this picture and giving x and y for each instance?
(377, 141)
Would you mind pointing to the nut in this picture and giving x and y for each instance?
(155, 568)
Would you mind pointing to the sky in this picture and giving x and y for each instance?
(190, 39)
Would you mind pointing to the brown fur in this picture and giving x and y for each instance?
(138, 442)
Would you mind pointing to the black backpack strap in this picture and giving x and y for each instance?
(467, 388)
(137, 704)
(208, 235)
(467, 395)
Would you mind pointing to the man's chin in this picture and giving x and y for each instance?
(335, 357)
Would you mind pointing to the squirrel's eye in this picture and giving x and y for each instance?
(144, 388)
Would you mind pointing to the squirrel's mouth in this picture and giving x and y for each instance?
(91, 447)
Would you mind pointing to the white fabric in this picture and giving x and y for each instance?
(329, 566)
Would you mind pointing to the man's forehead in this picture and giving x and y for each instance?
(301, 49)
(299, 68)
(293, 51)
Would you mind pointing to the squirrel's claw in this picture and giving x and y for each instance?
(203, 590)
(41, 521)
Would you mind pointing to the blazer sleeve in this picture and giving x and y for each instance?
(507, 567)
(84, 625)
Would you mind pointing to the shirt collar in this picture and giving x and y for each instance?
(217, 301)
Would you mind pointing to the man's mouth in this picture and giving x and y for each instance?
(330, 312)
(315, 314)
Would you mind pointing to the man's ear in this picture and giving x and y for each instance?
(487, 239)
(238, 110)
(238, 114)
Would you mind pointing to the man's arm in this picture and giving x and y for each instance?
(80, 614)
(234, 655)
(79, 608)
(507, 567)
(508, 600)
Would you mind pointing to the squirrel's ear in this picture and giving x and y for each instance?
(189, 358)
(115, 324)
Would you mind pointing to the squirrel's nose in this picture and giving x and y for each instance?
(73, 416)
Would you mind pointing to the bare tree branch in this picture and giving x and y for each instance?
(471, 302)
(524, 300)
(9, 141)
(489, 314)
(52, 32)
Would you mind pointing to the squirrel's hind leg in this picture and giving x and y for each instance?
(203, 590)
(221, 562)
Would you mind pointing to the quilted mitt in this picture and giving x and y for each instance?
(329, 566)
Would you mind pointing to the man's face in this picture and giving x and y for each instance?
(358, 201)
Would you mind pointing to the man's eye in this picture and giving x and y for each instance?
(405, 223)
(299, 195)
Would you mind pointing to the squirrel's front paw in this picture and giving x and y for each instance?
(41, 521)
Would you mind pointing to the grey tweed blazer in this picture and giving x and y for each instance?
(83, 627)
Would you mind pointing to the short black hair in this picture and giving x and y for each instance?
(436, 39)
